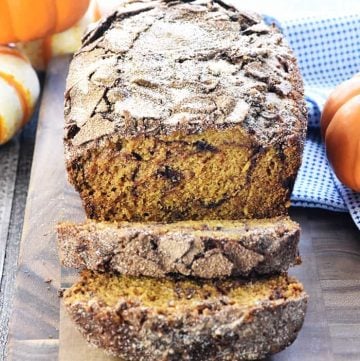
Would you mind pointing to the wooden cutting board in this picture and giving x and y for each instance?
(40, 329)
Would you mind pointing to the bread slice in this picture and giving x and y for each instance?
(206, 249)
(147, 319)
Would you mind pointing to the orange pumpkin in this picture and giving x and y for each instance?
(340, 127)
(24, 20)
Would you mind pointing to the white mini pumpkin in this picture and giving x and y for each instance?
(42, 50)
(19, 91)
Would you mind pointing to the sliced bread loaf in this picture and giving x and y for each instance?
(147, 319)
(206, 249)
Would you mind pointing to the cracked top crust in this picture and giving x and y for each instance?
(205, 249)
(157, 67)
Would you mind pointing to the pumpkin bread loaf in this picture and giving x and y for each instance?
(147, 319)
(180, 110)
(184, 129)
(205, 249)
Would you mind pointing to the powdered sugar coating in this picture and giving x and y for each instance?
(154, 68)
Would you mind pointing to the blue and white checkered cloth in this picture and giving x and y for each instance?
(328, 52)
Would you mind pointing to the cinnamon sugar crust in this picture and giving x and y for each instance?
(205, 249)
(143, 319)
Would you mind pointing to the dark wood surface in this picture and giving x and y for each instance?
(330, 247)
(15, 164)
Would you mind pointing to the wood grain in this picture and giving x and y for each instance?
(8, 164)
(10, 239)
(35, 350)
(35, 317)
(330, 248)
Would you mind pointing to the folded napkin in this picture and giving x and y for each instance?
(328, 52)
